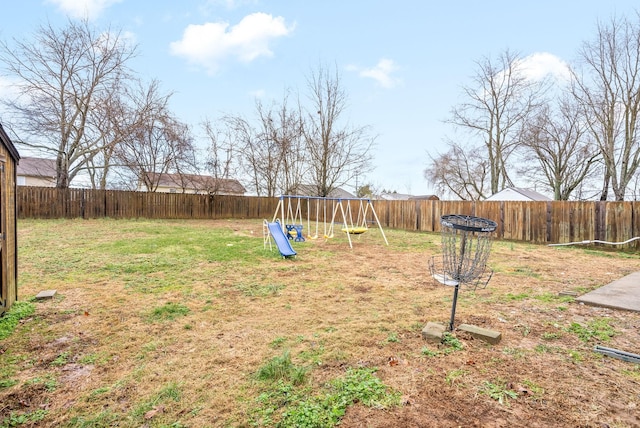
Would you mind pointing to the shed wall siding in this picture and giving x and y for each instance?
(10, 287)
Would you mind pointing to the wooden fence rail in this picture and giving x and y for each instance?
(535, 222)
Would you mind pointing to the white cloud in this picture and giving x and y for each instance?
(258, 93)
(540, 64)
(381, 73)
(89, 9)
(209, 44)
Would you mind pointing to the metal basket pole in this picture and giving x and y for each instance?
(457, 277)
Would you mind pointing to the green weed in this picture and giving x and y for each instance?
(97, 393)
(170, 392)
(313, 354)
(278, 342)
(7, 370)
(9, 321)
(599, 329)
(453, 375)
(49, 382)
(282, 368)
(393, 338)
(61, 360)
(285, 405)
(633, 372)
(524, 329)
(534, 390)
(416, 326)
(553, 298)
(451, 343)
(15, 419)
(551, 336)
(576, 356)
(510, 297)
(358, 386)
(169, 312)
(97, 358)
(498, 391)
(428, 352)
(7, 383)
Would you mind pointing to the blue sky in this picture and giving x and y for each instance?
(402, 62)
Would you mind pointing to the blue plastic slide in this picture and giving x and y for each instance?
(283, 244)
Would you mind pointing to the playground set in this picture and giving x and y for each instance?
(355, 215)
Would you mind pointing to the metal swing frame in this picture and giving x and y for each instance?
(338, 210)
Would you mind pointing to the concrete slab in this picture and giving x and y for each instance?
(46, 294)
(433, 332)
(623, 293)
(490, 336)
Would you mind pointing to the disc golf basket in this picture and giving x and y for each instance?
(466, 244)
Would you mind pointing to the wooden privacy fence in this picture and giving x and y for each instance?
(535, 222)
(47, 202)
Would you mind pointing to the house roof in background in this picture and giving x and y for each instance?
(312, 190)
(9, 144)
(199, 182)
(405, 197)
(37, 167)
(527, 193)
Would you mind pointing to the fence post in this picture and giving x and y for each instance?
(549, 221)
(600, 215)
(82, 204)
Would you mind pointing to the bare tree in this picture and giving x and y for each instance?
(222, 154)
(66, 77)
(220, 159)
(337, 151)
(499, 101)
(608, 88)
(281, 127)
(270, 152)
(461, 171)
(261, 160)
(564, 152)
(155, 141)
(117, 122)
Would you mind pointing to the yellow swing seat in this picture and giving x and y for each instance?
(355, 230)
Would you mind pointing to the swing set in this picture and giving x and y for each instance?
(321, 215)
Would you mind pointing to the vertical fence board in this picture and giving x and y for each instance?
(618, 221)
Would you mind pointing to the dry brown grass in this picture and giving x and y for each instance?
(95, 355)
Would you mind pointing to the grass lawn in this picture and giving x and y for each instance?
(194, 324)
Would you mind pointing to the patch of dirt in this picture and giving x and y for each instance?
(74, 373)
